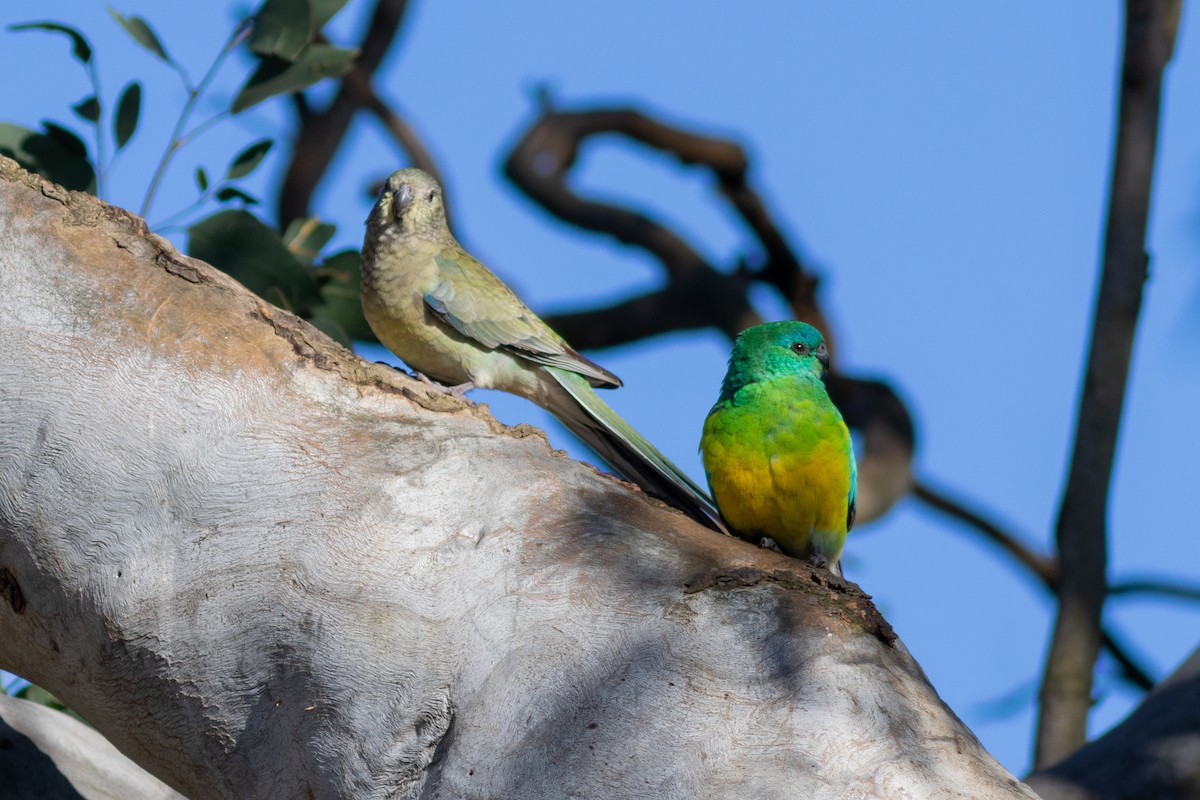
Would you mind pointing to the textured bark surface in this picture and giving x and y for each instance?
(264, 568)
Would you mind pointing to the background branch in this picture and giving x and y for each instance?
(321, 132)
(698, 294)
(1153, 753)
(1081, 536)
(1045, 569)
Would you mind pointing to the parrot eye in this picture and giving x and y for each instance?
(432, 195)
(800, 347)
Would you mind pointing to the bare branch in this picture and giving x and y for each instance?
(1082, 524)
(1160, 587)
(700, 296)
(396, 125)
(1043, 567)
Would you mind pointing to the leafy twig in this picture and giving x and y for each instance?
(194, 93)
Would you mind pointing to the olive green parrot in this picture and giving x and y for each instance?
(450, 319)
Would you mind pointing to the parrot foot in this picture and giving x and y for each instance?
(767, 543)
(459, 390)
(819, 560)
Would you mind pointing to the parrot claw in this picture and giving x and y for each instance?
(767, 543)
(819, 560)
(459, 391)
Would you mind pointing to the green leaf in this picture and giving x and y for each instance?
(57, 155)
(281, 29)
(128, 109)
(339, 279)
(227, 193)
(305, 237)
(277, 76)
(68, 141)
(79, 45)
(236, 242)
(88, 108)
(142, 33)
(202, 179)
(246, 161)
(322, 11)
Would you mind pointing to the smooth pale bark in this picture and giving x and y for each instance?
(264, 568)
(1153, 754)
(44, 753)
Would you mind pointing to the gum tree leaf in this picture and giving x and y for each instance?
(128, 109)
(237, 243)
(339, 279)
(276, 76)
(79, 44)
(142, 33)
(227, 193)
(322, 11)
(57, 154)
(305, 237)
(88, 108)
(281, 29)
(246, 161)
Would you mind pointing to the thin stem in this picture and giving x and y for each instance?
(1161, 588)
(194, 94)
(220, 116)
(101, 165)
(167, 223)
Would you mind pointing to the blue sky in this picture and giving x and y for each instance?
(943, 164)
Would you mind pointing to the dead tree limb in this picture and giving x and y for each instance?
(262, 567)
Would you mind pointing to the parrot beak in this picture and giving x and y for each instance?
(403, 198)
(822, 355)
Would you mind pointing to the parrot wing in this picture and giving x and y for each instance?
(477, 304)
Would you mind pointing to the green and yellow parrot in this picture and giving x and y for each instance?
(778, 456)
(449, 318)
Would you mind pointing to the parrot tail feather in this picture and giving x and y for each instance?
(582, 411)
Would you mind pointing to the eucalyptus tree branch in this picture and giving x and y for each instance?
(1044, 568)
(1082, 529)
(1153, 754)
(1157, 587)
(265, 568)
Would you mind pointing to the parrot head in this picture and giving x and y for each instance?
(776, 350)
(411, 199)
